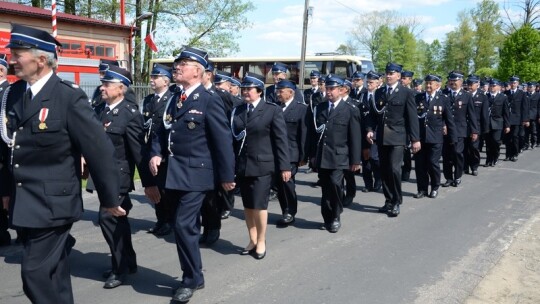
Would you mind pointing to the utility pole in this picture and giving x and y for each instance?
(303, 52)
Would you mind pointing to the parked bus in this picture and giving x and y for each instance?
(325, 63)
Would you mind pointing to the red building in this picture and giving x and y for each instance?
(84, 40)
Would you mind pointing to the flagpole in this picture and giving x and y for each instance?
(53, 16)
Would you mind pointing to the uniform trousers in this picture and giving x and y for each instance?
(350, 183)
(427, 168)
(512, 141)
(530, 134)
(332, 194)
(165, 209)
(493, 146)
(472, 154)
(45, 268)
(371, 172)
(117, 232)
(453, 159)
(390, 158)
(407, 161)
(187, 228)
(287, 192)
(211, 211)
(226, 199)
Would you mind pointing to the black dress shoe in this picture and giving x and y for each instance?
(156, 227)
(286, 220)
(258, 256)
(493, 164)
(114, 280)
(174, 291)
(466, 171)
(514, 159)
(334, 227)
(447, 183)
(488, 164)
(212, 236)
(347, 201)
(506, 159)
(475, 172)
(366, 190)
(183, 294)
(225, 214)
(420, 194)
(323, 227)
(384, 209)
(394, 212)
(107, 273)
(434, 193)
(377, 186)
(457, 182)
(165, 229)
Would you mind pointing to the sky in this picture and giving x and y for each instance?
(277, 24)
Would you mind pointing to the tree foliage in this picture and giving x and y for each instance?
(488, 34)
(520, 54)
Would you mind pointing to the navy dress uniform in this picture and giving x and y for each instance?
(295, 116)
(200, 155)
(153, 107)
(498, 122)
(337, 147)
(462, 106)
(349, 176)
(5, 237)
(217, 202)
(123, 123)
(357, 91)
(270, 93)
(435, 115)
(395, 123)
(96, 99)
(481, 110)
(314, 75)
(371, 172)
(406, 81)
(531, 135)
(261, 146)
(46, 125)
(518, 107)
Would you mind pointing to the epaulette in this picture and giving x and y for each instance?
(70, 84)
(270, 103)
(301, 103)
(350, 104)
(130, 108)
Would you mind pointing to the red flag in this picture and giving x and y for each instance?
(150, 41)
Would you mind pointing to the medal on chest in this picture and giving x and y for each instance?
(43, 113)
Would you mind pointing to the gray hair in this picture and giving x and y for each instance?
(51, 57)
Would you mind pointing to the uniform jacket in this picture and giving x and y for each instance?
(45, 183)
(152, 111)
(518, 107)
(354, 95)
(296, 122)
(367, 113)
(266, 147)
(4, 161)
(481, 109)
(200, 145)
(464, 115)
(124, 126)
(339, 146)
(229, 101)
(270, 95)
(498, 112)
(433, 118)
(397, 121)
(308, 93)
(534, 99)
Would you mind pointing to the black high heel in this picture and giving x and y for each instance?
(246, 251)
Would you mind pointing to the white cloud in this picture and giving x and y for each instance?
(437, 32)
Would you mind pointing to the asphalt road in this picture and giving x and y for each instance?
(436, 251)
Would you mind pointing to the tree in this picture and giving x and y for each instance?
(433, 61)
(404, 48)
(385, 48)
(458, 47)
(520, 54)
(367, 27)
(348, 48)
(487, 35)
(529, 14)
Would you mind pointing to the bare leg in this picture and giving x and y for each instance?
(250, 215)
